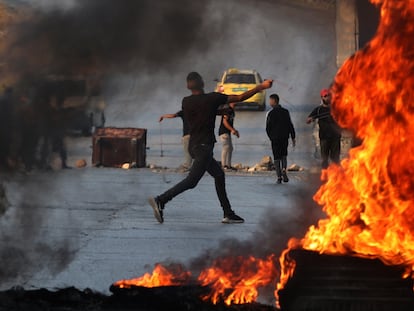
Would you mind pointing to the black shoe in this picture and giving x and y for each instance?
(158, 207)
(232, 219)
(285, 178)
(279, 180)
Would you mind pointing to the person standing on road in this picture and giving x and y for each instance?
(329, 130)
(185, 138)
(200, 110)
(279, 128)
(226, 129)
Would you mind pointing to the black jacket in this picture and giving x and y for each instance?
(279, 125)
(328, 128)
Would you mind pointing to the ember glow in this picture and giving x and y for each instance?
(369, 198)
(160, 276)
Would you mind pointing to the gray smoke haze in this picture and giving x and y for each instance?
(25, 247)
(110, 36)
(100, 38)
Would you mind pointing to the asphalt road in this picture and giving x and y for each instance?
(89, 227)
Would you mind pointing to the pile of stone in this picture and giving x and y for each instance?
(265, 165)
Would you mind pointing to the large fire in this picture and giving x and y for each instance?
(369, 197)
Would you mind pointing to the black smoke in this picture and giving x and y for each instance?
(94, 38)
(111, 36)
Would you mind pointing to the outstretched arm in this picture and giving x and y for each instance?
(168, 116)
(233, 99)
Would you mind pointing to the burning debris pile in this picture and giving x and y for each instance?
(329, 282)
(225, 286)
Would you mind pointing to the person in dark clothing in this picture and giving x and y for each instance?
(30, 129)
(6, 130)
(185, 139)
(329, 130)
(53, 131)
(226, 129)
(57, 135)
(200, 110)
(279, 128)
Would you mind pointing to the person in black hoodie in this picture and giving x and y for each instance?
(279, 128)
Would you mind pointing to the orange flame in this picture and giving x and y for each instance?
(161, 276)
(236, 280)
(233, 280)
(287, 266)
(369, 198)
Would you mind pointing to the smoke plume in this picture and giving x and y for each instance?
(26, 248)
(110, 36)
(96, 38)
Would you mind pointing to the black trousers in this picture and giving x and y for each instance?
(280, 148)
(280, 151)
(203, 161)
(330, 150)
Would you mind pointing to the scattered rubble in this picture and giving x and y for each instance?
(295, 168)
(126, 166)
(81, 163)
(266, 164)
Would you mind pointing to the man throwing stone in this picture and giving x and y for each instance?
(200, 110)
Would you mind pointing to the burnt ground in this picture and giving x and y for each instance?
(136, 299)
